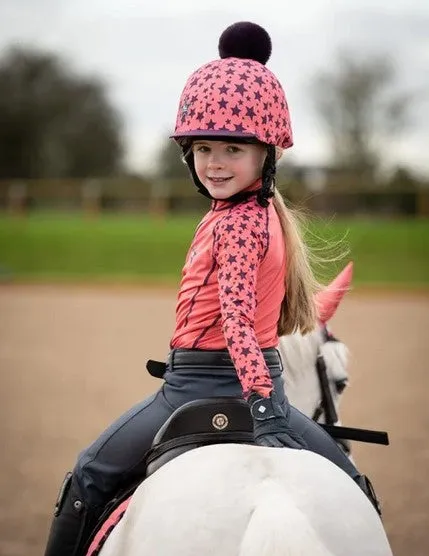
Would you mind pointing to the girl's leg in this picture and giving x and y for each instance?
(99, 472)
(320, 442)
(117, 456)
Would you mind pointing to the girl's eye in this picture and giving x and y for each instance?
(202, 149)
(233, 149)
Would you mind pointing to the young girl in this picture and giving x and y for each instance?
(246, 280)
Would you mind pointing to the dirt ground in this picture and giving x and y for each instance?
(73, 358)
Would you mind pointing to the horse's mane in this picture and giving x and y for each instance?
(299, 352)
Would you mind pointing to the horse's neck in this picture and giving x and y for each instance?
(299, 354)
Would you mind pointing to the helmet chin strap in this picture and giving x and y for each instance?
(262, 194)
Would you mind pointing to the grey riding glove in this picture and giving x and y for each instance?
(271, 425)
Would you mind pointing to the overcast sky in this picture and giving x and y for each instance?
(146, 50)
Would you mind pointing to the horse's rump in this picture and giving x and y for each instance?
(266, 532)
(223, 499)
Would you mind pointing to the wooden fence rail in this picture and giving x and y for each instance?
(93, 196)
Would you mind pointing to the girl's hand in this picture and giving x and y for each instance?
(270, 425)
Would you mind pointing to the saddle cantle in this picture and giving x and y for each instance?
(200, 423)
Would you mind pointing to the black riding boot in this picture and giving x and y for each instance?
(72, 522)
(366, 485)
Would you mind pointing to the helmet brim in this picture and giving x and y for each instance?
(215, 135)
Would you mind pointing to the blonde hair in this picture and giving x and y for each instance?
(298, 310)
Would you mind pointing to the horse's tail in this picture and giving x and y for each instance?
(278, 528)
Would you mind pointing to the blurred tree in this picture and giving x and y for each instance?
(54, 123)
(404, 180)
(360, 109)
(170, 163)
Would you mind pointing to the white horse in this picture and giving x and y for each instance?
(242, 500)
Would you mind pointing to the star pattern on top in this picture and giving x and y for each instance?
(241, 241)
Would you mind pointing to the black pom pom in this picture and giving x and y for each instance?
(245, 40)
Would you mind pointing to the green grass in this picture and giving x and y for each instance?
(53, 247)
(385, 252)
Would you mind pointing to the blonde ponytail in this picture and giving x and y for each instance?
(298, 309)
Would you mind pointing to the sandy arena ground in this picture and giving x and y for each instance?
(73, 358)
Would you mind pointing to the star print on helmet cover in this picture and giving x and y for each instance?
(236, 95)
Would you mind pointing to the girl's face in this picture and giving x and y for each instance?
(226, 168)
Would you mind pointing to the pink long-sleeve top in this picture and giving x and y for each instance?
(232, 287)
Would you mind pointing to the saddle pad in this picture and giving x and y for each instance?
(107, 527)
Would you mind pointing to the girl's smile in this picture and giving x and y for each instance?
(226, 168)
(218, 180)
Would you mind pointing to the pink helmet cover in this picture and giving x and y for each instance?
(236, 96)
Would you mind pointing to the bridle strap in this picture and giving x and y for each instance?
(327, 404)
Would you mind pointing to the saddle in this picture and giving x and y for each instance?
(195, 424)
(200, 423)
